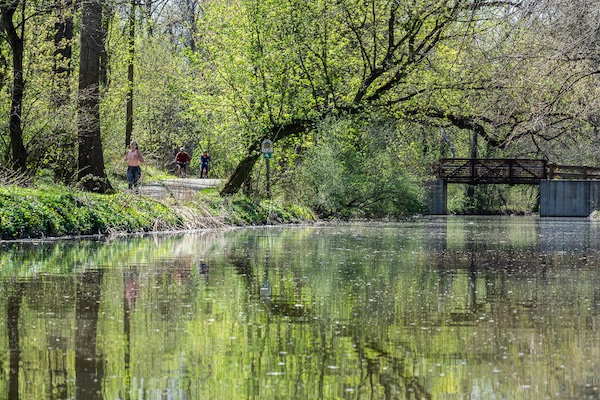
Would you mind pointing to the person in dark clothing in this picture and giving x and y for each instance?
(182, 159)
(204, 164)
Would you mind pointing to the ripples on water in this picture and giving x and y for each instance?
(447, 308)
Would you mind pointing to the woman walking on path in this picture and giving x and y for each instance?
(134, 157)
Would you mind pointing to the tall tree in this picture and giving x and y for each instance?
(483, 67)
(180, 19)
(130, 70)
(108, 13)
(327, 58)
(91, 170)
(63, 50)
(62, 144)
(8, 10)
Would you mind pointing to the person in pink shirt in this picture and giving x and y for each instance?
(134, 157)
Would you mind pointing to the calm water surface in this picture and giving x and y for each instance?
(449, 308)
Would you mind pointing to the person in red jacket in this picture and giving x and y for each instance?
(182, 159)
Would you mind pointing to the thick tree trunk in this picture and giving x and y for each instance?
(91, 172)
(19, 153)
(242, 173)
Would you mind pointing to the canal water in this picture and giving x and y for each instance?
(440, 308)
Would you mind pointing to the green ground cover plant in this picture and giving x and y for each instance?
(57, 211)
(45, 212)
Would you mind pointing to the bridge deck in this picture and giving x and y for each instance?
(476, 171)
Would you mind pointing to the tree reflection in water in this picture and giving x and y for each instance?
(15, 290)
(89, 365)
(503, 308)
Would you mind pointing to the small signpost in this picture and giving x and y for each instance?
(267, 151)
(267, 148)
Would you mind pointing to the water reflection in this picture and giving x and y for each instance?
(438, 308)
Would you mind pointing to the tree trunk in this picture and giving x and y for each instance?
(148, 11)
(91, 172)
(473, 155)
(244, 168)
(241, 174)
(19, 153)
(63, 141)
(108, 13)
(63, 51)
(130, 64)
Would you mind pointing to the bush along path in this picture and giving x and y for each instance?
(28, 213)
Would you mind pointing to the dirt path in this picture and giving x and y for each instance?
(178, 188)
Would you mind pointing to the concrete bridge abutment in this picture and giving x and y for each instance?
(569, 198)
(558, 198)
(438, 197)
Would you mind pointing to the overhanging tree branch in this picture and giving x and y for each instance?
(276, 134)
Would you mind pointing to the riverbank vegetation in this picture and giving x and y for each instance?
(55, 211)
(359, 97)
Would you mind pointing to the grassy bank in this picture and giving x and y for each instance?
(55, 211)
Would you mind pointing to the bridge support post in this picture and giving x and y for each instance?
(438, 197)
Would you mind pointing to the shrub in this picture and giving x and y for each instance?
(349, 174)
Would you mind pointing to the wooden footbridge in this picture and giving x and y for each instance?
(510, 171)
(565, 190)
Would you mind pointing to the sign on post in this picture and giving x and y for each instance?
(267, 148)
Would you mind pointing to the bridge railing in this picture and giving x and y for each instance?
(495, 170)
(573, 172)
(509, 171)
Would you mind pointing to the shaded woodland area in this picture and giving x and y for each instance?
(358, 96)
